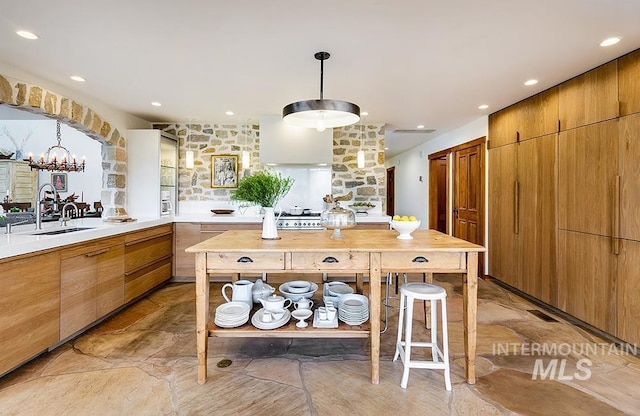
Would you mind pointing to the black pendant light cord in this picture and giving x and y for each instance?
(322, 56)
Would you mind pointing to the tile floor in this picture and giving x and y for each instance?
(142, 362)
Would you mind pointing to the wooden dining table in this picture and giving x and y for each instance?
(363, 252)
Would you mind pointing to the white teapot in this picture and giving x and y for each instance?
(275, 303)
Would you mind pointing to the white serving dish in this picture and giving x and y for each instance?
(319, 323)
(405, 228)
(284, 289)
(256, 320)
(298, 286)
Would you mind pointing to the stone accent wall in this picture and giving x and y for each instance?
(207, 140)
(369, 183)
(36, 99)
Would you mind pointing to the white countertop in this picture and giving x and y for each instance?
(22, 240)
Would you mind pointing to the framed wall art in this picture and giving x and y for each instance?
(59, 181)
(224, 171)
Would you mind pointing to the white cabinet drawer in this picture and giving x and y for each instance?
(393, 261)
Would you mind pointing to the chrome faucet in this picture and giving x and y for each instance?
(39, 204)
(11, 224)
(63, 217)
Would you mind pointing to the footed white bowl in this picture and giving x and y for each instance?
(405, 228)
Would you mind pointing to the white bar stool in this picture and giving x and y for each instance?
(409, 292)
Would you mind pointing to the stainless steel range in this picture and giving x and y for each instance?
(299, 222)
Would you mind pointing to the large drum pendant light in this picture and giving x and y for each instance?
(320, 114)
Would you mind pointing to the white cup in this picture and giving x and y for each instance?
(266, 316)
(322, 313)
(331, 313)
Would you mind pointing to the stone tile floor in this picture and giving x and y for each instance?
(142, 362)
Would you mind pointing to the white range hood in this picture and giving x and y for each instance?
(282, 143)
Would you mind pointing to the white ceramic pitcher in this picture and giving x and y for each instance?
(269, 229)
(240, 292)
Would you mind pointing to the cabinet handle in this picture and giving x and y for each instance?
(516, 207)
(330, 260)
(420, 259)
(616, 215)
(96, 253)
(245, 259)
(517, 137)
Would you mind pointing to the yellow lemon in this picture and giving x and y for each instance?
(412, 218)
(404, 218)
(396, 217)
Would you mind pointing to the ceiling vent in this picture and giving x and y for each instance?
(423, 131)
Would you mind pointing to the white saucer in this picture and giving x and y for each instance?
(256, 320)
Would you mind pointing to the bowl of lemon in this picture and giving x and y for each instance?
(405, 225)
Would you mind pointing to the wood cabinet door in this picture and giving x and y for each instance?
(537, 231)
(589, 98)
(502, 250)
(628, 289)
(539, 115)
(587, 278)
(30, 318)
(587, 167)
(110, 280)
(504, 125)
(629, 83)
(78, 276)
(185, 235)
(629, 199)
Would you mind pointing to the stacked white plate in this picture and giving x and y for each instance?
(353, 309)
(259, 323)
(232, 314)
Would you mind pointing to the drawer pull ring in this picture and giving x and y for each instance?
(420, 259)
(330, 260)
(244, 259)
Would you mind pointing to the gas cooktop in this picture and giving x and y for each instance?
(311, 214)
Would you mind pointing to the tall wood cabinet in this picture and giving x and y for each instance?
(576, 230)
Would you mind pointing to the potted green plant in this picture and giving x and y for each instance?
(265, 188)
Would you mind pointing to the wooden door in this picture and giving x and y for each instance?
(468, 193)
(391, 188)
(629, 83)
(587, 168)
(502, 248)
(586, 278)
(627, 290)
(629, 199)
(438, 193)
(537, 231)
(589, 98)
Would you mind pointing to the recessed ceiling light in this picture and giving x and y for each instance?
(27, 35)
(364, 113)
(156, 104)
(531, 82)
(483, 107)
(386, 148)
(420, 126)
(610, 41)
(77, 78)
(229, 113)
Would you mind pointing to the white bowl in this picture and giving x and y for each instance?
(298, 286)
(405, 228)
(297, 296)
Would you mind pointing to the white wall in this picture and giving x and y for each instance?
(412, 195)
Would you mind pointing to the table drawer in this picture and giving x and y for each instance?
(245, 261)
(393, 261)
(329, 261)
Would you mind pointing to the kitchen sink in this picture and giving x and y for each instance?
(62, 231)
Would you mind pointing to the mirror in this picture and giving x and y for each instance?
(34, 133)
